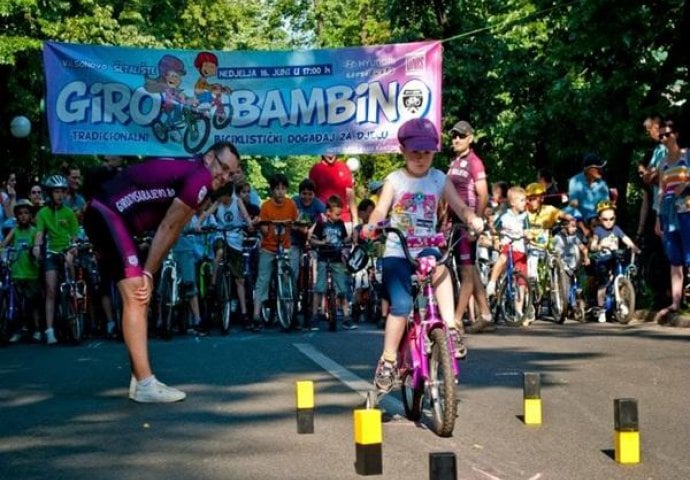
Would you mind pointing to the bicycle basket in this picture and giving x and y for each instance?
(357, 259)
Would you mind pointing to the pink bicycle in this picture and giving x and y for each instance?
(427, 368)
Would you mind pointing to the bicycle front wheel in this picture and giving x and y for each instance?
(625, 295)
(512, 301)
(167, 307)
(559, 293)
(284, 301)
(225, 303)
(441, 385)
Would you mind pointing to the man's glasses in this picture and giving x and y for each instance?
(665, 134)
(225, 167)
(607, 219)
(36, 192)
(461, 136)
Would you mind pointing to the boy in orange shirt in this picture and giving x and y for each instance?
(278, 208)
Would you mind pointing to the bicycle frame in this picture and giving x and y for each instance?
(417, 336)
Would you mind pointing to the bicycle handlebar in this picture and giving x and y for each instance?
(386, 228)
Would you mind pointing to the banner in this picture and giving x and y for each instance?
(135, 101)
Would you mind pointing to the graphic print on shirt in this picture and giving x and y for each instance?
(415, 213)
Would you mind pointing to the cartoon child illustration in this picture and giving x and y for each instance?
(171, 70)
(208, 94)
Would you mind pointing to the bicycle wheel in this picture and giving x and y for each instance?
(625, 294)
(559, 292)
(511, 302)
(284, 300)
(4, 319)
(441, 385)
(225, 302)
(196, 133)
(411, 396)
(222, 116)
(373, 307)
(77, 327)
(68, 313)
(268, 306)
(166, 305)
(332, 308)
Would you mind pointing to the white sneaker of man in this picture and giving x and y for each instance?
(151, 390)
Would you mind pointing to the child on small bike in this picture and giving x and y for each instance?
(332, 234)
(569, 244)
(361, 278)
(411, 196)
(278, 208)
(25, 270)
(606, 239)
(511, 227)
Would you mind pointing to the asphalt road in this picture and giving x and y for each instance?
(64, 412)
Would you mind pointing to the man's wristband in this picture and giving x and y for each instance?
(146, 273)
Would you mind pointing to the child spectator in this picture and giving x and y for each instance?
(332, 234)
(230, 213)
(278, 208)
(361, 278)
(25, 269)
(606, 240)
(310, 209)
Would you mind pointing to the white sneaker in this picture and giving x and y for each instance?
(50, 337)
(155, 392)
(16, 337)
(624, 310)
(37, 336)
(602, 316)
(491, 289)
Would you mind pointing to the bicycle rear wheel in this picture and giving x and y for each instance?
(441, 385)
(284, 300)
(4, 319)
(410, 394)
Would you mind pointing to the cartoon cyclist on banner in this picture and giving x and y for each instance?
(180, 120)
(210, 95)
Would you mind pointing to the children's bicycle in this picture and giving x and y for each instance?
(620, 293)
(512, 300)
(427, 368)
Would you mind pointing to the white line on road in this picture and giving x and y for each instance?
(388, 403)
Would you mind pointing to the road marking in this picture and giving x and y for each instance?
(488, 475)
(352, 381)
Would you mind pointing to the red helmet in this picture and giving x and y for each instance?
(205, 57)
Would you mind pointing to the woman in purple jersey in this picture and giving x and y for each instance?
(158, 195)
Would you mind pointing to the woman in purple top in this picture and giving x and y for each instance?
(158, 195)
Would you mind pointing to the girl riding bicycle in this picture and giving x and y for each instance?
(411, 196)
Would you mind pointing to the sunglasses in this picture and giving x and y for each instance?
(665, 134)
(461, 136)
(607, 219)
(36, 192)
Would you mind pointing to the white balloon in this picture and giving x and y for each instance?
(20, 126)
(352, 163)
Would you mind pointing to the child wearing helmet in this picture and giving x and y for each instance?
(56, 229)
(606, 239)
(541, 219)
(25, 269)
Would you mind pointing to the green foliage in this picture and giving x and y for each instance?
(543, 82)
